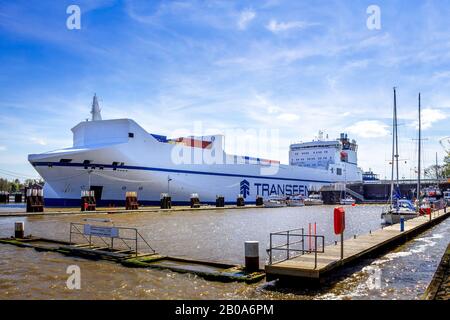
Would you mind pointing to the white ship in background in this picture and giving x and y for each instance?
(112, 157)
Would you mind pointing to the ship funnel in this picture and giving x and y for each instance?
(96, 115)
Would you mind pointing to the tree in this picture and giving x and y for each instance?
(4, 185)
(446, 169)
(434, 172)
(439, 172)
(15, 185)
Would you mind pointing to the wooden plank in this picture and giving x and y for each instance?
(304, 266)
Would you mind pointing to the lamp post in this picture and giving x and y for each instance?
(89, 179)
(168, 185)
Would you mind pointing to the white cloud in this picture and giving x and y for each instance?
(275, 26)
(2, 148)
(440, 75)
(369, 129)
(39, 141)
(288, 117)
(430, 116)
(245, 18)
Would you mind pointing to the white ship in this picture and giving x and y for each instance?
(113, 157)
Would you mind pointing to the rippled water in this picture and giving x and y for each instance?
(12, 207)
(215, 235)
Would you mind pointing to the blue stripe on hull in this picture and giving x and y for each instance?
(76, 203)
(109, 166)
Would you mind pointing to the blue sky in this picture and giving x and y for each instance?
(294, 66)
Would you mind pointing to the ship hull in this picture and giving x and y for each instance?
(113, 157)
(64, 184)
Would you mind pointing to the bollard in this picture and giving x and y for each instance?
(195, 200)
(19, 230)
(240, 201)
(259, 201)
(402, 224)
(18, 198)
(251, 256)
(220, 201)
(165, 201)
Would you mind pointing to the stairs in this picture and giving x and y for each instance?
(355, 194)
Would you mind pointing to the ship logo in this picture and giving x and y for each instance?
(245, 188)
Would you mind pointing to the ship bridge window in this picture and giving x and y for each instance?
(117, 164)
(65, 160)
(339, 171)
(130, 135)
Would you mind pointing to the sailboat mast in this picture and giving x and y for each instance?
(396, 137)
(393, 148)
(437, 168)
(420, 152)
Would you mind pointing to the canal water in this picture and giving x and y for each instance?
(215, 235)
(12, 207)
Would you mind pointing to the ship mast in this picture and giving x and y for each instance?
(95, 111)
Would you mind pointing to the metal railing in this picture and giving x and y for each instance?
(406, 181)
(128, 243)
(294, 245)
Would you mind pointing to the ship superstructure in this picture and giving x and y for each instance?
(339, 156)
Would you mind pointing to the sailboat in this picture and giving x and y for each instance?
(398, 208)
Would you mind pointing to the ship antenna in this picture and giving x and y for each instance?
(96, 115)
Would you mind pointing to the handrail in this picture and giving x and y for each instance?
(145, 241)
(288, 245)
(75, 230)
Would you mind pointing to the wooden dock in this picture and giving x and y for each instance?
(303, 269)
